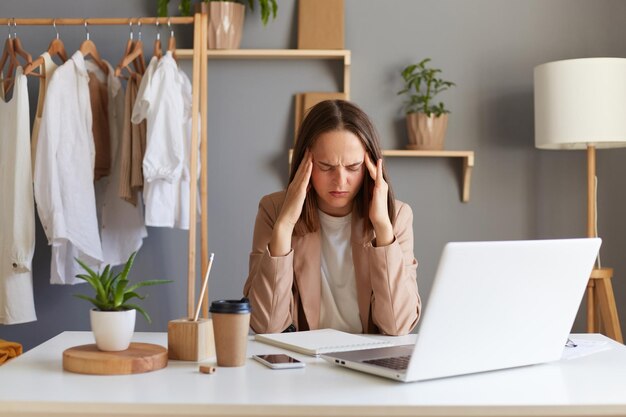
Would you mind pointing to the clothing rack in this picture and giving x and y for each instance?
(97, 21)
(199, 105)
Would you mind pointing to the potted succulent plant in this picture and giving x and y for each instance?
(113, 318)
(426, 120)
(225, 18)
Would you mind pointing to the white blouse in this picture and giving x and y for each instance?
(164, 100)
(64, 165)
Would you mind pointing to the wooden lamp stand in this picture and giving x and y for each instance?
(599, 289)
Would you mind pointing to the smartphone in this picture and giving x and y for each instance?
(279, 361)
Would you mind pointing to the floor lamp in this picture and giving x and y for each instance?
(581, 104)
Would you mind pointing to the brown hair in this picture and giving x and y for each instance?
(332, 115)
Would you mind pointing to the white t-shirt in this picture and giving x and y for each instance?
(339, 308)
(17, 222)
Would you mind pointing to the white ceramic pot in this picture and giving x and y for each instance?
(112, 330)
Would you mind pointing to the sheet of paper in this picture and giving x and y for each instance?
(581, 347)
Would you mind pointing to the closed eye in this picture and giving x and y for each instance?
(352, 168)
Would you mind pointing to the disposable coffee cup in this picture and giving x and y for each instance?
(231, 320)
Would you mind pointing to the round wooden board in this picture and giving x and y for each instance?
(138, 358)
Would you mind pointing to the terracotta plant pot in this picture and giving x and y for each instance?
(426, 133)
(225, 24)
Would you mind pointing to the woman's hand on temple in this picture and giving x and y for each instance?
(280, 243)
(296, 192)
(378, 212)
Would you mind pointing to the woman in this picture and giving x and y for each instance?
(335, 250)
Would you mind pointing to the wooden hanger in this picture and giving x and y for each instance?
(171, 45)
(9, 52)
(56, 48)
(134, 56)
(12, 49)
(8, 56)
(158, 51)
(17, 46)
(88, 48)
(19, 50)
(130, 46)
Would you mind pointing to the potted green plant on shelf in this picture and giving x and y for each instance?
(225, 18)
(426, 120)
(113, 318)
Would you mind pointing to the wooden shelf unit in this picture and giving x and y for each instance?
(327, 54)
(345, 55)
(466, 156)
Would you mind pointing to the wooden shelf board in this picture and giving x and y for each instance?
(429, 154)
(269, 53)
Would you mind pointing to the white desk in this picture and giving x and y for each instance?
(35, 384)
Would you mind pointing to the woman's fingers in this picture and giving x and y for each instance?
(370, 166)
(303, 174)
(376, 171)
(308, 168)
(379, 171)
(296, 191)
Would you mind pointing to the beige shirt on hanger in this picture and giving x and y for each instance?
(99, 97)
(133, 140)
(121, 223)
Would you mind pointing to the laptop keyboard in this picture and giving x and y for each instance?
(397, 362)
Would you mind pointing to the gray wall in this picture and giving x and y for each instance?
(488, 47)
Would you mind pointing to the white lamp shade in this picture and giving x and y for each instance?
(580, 102)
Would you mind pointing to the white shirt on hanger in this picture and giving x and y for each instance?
(17, 222)
(183, 189)
(122, 228)
(64, 166)
(164, 100)
(46, 71)
(140, 108)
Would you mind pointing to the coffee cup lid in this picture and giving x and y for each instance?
(231, 306)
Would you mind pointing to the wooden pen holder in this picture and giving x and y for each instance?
(189, 340)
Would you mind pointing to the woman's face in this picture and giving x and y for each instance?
(338, 170)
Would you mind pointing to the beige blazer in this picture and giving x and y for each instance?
(285, 290)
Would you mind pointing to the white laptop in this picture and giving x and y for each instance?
(493, 305)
